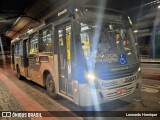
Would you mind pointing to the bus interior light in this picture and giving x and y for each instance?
(130, 20)
(129, 53)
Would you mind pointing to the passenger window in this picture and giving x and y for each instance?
(20, 48)
(16, 48)
(46, 45)
(34, 44)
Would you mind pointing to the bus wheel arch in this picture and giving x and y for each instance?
(49, 84)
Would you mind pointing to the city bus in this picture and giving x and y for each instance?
(88, 55)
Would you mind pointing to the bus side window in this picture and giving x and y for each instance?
(46, 43)
(49, 44)
(34, 44)
(16, 48)
(20, 48)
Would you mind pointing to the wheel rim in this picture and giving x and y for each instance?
(50, 85)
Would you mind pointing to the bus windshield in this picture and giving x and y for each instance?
(107, 46)
(103, 44)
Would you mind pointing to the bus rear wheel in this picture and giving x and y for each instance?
(50, 86)
(19, 73)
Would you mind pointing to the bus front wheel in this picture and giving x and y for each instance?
(50, 86)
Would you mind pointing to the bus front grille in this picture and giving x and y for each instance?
(112, 96)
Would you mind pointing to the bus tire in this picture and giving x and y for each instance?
(19, 73)
(50, 86)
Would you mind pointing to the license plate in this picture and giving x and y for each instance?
(121, 91)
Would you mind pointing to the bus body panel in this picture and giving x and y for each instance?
(89, 96)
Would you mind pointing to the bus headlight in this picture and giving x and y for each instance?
(91, 78)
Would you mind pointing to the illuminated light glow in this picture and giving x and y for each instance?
(75, 86)
(117, 42)
(139, 69)
(110, 27)
(62, 76)
(129, 53)
(75, 90)
(85, 28)
(158, 6)
(91, 66)
(135, 31)
(90, 76)
(30, 31)
(129, 20)
(76, 10)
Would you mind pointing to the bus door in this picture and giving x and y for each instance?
(25, 56)
(64, 56)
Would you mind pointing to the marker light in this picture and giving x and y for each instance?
(75, 90)
(75, 86)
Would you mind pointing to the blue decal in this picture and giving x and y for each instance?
(122, 59)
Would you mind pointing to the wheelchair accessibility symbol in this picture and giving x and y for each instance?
(122, 59)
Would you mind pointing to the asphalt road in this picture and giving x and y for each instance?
(149, 95)
(151, 70)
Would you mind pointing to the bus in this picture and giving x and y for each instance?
(86, 54)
